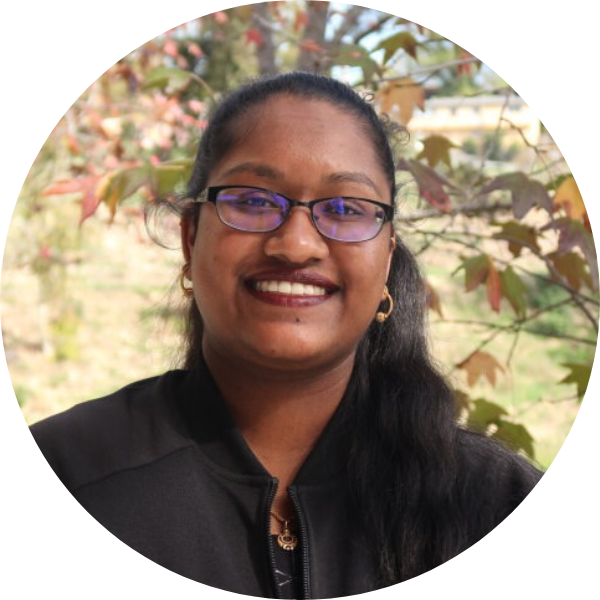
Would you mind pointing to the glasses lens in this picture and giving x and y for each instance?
(348, 219)
(250, 209)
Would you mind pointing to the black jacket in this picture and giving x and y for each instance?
(162, 466)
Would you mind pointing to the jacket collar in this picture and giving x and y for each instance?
(212, 427)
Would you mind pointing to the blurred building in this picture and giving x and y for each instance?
(467, 118)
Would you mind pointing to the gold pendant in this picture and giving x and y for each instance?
(287, 540)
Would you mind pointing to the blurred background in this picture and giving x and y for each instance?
(90, 303)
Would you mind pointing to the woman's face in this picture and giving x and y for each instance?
(305, 149)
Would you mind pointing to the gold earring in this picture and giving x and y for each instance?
(382, 316)
(187, 291)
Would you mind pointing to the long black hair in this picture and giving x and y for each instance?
(405, 455)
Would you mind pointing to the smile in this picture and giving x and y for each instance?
(289, 288)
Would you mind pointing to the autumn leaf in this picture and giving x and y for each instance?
(493, 286)
(402, 40)
(254, 36)
(518, 236)
(476, 270)
(514, 290)
(525, 193)
(572, 267)
(436, 149)
(433, 299)
(311, 45)
(572, 234)
(431, 184)
(402, 94)
(480, 364)
(87, 187)
(579, 375)
(569, 197)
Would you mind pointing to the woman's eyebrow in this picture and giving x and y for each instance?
(351, 177)
(257, 169)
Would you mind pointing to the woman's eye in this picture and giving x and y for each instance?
(256, 201)
(343, 208)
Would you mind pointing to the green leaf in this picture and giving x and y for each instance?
(525, 193)
(514, 290)
(476, 270)
(168, 176)
(515, 436)
(579, 375)
(404, 40)
(167, 77)
(485, 413)
(518, 236)
(354, 55)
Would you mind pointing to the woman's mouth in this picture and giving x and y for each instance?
(291, 289)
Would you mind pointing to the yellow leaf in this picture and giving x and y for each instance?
(402, 95)
(569, 197)
(480, 364)
(436, 148)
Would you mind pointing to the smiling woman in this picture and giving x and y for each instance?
(308, 447)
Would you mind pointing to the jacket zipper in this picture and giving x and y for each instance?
(303, 543)
(270, 497)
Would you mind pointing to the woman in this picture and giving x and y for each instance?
(308, 448)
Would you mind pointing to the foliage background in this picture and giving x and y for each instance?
(130, 137)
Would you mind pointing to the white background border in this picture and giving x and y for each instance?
(51, 51)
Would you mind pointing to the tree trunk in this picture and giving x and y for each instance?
(312, 48)
(265, 53)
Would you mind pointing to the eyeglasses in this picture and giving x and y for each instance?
(257, 210)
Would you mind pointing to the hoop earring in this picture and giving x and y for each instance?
(381, 317)
(187, 291)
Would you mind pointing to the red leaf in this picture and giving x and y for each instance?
(431, 184)
(254, 36)
(493, 287)
(86, 186)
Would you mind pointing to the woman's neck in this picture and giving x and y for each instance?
(281, 415)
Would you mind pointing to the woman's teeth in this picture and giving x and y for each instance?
(288, 287)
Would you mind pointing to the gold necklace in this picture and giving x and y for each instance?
(286, 539)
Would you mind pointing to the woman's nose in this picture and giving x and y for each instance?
(297, 241)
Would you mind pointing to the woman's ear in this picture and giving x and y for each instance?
(188, 237)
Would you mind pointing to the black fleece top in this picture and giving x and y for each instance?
(163, 467)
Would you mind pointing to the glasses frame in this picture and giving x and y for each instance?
(211, 195)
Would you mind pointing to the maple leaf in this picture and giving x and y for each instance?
(573, 234)
(579, 375)
(572, 267)
(356, 56)
(518, 236)
(431, 184)
(514, 290)
(311, 46)
(485, 413)
(480, 364)
(480, 269)
(436, 149)
(403, 94)
(516, 436)
(254, 36)
(525, 193)
(569, 197)
(87, 187)
(404, 40)
(433, 299)
(493, 286)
